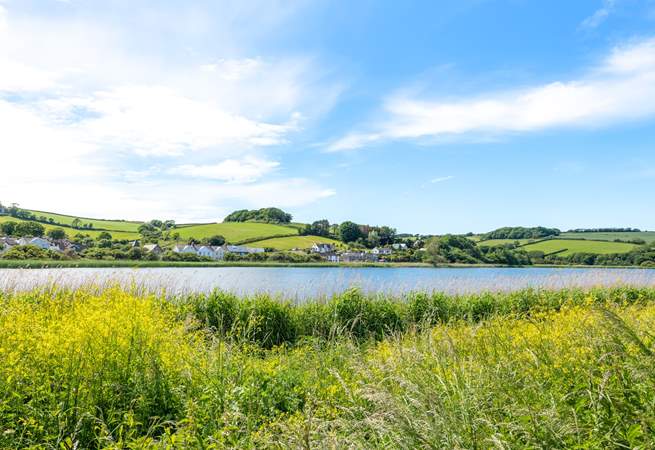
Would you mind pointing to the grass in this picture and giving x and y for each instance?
(291, 242)
(647, 236)
(111, 225)
(235, 232)
(72, 231)
(114, 369)
(569, 246)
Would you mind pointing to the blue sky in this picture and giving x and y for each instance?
(428, 116)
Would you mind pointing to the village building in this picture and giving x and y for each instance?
(154, 249)
(358, 257)
(381, 251)
(322, 248)
(216, 253)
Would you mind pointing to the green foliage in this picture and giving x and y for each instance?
(266, 215)
(23, 252)
(104, 236)
(29, 229)
(453, 249)
(56, 233)
(317, 228)
(113, 369)
(8, 228)
(349, 232)
(521, 233)
(215, 240)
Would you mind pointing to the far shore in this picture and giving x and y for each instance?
(93, 263)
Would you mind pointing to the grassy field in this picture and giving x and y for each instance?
(112, 225)
(648, 236)
(288, 243)
(232, 231)
(235, 231)
(72, 231)
(578, 246)
(114, 369)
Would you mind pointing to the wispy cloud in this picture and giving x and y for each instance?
(441, 179)
(620, 88)
(600, 15)
(437, 180)
(247, 170)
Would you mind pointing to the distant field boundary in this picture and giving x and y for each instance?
(68, 226)
(87, 218)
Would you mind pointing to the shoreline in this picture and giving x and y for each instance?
(110, 264)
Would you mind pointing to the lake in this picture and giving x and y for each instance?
(299, 283)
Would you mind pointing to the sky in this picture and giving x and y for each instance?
(427, 116)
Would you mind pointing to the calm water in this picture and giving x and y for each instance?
(302, 283)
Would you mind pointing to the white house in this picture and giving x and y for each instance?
(381, 251)
(153, 248)
(40, 242)
(322, 248)
(216, 253)
(399, 246)
(190, 248)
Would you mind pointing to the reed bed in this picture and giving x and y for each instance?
(121, 368)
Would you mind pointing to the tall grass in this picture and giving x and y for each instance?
(118, 369)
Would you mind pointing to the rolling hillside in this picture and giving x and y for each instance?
(648, 236)
(116, 234)
(109, 225)
(566, 247)
(235, 232)
(291, 242)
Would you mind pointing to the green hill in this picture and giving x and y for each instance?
(647, 236)
(291, 242)
(566, 247)
(116, 234)
(236, 232)
(109, 225)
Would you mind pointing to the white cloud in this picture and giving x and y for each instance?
(600, 15)
(621, 88)
(246, 170)
(95, 117)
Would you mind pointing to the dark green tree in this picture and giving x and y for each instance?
(349, 232)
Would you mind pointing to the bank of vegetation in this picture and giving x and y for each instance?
(116, 369)
(272, 229)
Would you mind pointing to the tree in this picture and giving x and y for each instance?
(76, 223)
(320, 228)
(268, 215)
(349, 232)
(104, 236)
(373, 238)
(216, 240)
(8, 228)
(29, 229)
(387, 235)
(57, 233)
